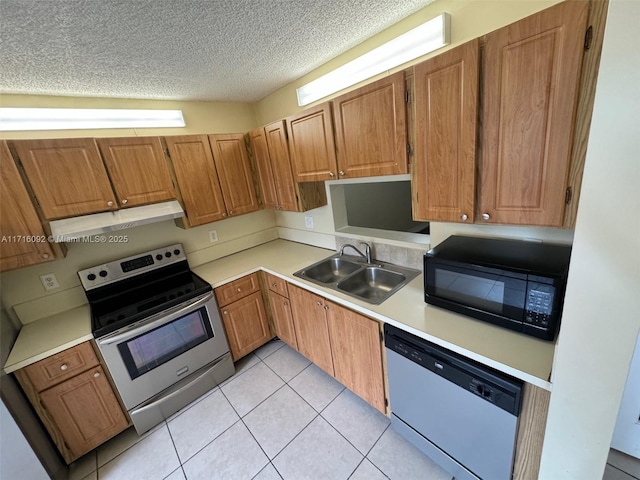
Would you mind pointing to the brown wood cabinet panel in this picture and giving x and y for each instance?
(531, 72)
(138, 169)
(67, 176)
(276, 137)
(234, 171)
(371, 129)
(61, 366)
(85, 411)
(531, 426)
(277, 285)
(18, 219)
(283, 319)
(197, 178)
(446, 108)
(356, 347)
(263, 166)
(237, 289)
(310, 323)
(246, 324)
(311, 144)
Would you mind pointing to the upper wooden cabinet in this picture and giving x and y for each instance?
(234, 171)
(371, 129)
(311, 144)
(443, 182)
(280, 192)
(23, 239)
(531, 73)
(67, 175)
(214, 176)
(138, 169)
(195, 171)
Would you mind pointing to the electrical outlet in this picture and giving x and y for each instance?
(49, 281)
(308, 222)
(213, 236)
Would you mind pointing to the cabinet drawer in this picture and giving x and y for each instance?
(277, 285)
(237, 289)
(61, 366)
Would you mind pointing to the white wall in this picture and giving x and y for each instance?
(601, 320)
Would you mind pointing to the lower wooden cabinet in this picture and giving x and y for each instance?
(80, 411)
(243, 315)
(343, 343)
(312, 331)
(356, 348)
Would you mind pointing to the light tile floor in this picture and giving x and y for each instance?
(278, 417)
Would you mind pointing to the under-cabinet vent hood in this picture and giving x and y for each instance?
(74, 229)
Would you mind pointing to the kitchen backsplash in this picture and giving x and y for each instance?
(403, 256)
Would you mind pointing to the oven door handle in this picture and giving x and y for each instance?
(155, 321)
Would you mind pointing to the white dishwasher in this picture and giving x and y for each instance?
(461, 414)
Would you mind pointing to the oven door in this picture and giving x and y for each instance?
(152, 355)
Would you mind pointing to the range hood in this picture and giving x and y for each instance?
(73, 229)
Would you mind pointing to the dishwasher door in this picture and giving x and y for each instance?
(452, 422)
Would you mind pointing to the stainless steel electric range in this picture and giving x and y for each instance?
(158, 328)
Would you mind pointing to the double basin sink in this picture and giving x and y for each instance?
(371, 282)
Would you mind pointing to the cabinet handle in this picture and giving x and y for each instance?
(225, 312)
(319, 304)
(326, 307)
(286, 304)
(96, 375)
(64, 366)
(331, 174)
(341, 173)
(485, 216)
(109, 204)
(239, 289)
(274, 284)
(463, 217)
(45, 255)
(124, 201)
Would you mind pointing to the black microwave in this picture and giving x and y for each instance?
(515, 284)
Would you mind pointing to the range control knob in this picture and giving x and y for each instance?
(91, 277)
(158, 257)
(168, 254)
(103, 273)
(176, 252)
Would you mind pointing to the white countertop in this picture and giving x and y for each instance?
(521, 356)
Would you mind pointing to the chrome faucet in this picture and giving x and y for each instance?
(367, 251)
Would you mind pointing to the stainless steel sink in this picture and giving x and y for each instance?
(371, 282)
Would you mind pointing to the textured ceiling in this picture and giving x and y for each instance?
(238, 50)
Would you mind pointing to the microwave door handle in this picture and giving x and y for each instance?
(155, 321)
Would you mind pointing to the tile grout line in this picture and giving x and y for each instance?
(175, 449)
(619, 469)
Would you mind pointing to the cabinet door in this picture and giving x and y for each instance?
(234, 171)
(356, 347)
(138, 169)
(531, 71)
(197, 178)
(263, 166)
(85, 411)
(371, 129)
(283, 319)
(18, 219)
(281, 165)
(67, 176)
(245, 322)
(446, 107)
(311, 145)
(235, 290)
(311, 328)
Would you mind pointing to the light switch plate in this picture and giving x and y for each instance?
(308, 222)
(49, 281)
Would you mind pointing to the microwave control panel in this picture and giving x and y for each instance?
(539, 305)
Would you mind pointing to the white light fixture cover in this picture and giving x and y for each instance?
(421, 40)
(18, 119)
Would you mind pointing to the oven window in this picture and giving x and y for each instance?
(491, 293)
(155, 347)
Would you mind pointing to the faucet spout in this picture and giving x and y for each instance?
(366, 255)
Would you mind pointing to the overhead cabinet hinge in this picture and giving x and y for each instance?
(409, 151)
(406, 96)
(568, 195)
(588, 36)
(381, 337)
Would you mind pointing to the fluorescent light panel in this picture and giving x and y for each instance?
(417, 42)
(20, 119)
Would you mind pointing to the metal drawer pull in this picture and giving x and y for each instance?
(64, 366)
(96, 375)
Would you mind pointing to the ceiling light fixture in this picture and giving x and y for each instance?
(20, 119)
(429, 36)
